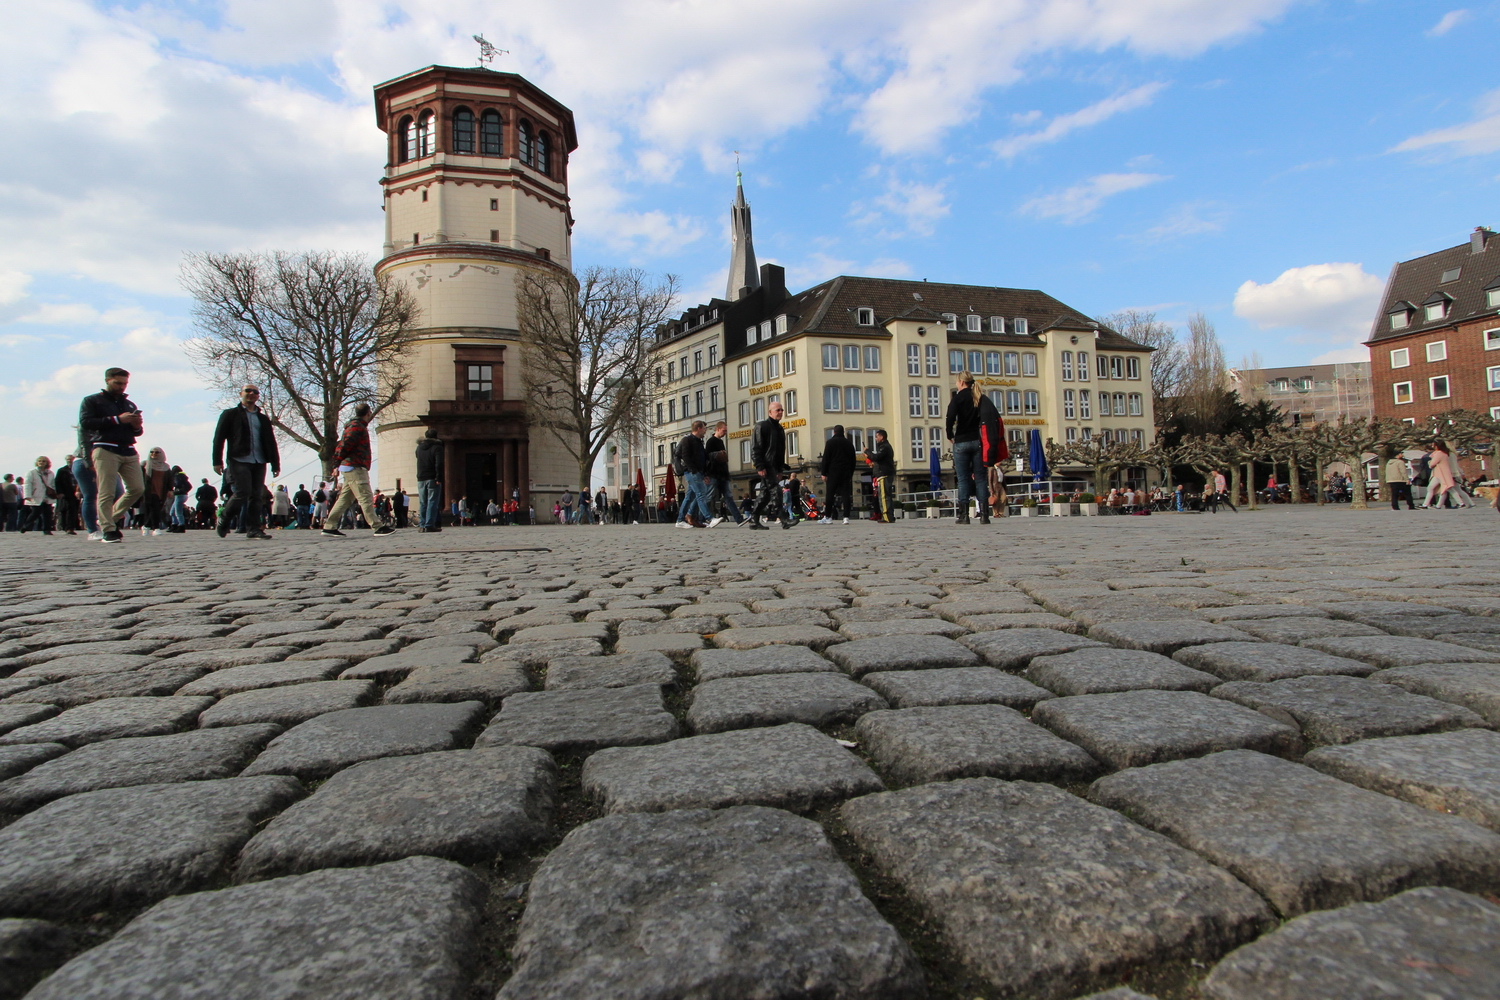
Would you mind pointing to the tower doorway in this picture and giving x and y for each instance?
(481, 472)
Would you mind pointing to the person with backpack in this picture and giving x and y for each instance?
(978, 436)
(690, 461)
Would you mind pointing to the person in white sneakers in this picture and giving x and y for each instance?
(352, 459)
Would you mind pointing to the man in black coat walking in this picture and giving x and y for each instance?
(768, 452)
(837, 470)
(247, 436)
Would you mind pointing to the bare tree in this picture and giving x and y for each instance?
(317, 331)
(1167, 360)
(1203, 359)
(587, 359)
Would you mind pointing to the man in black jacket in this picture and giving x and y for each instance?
(430, 481)
(768, 453)
(883, 460)
(251, 444)
(837, 469)
(717, 474)
(694, 461)
(108, 424)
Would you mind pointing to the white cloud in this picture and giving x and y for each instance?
(1474, 138)
(13, 286)
(1075, 204)
(1190, 219)
(1449, 21)
(1330, 301)
(918, 206)
(1060, 126)
(1342, 356)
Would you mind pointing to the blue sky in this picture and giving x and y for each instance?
(1263, 161)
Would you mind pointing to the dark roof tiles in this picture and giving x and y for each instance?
(1417, 280)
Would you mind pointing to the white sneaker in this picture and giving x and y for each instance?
(683, 524)
(144, 530)
(96, 536)
(158, 531)
(716, 522)
(846, 520)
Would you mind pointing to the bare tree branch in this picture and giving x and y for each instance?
(317, 331)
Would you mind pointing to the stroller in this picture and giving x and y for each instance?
(811, 509)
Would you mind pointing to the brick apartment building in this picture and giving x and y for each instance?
(1435, 344)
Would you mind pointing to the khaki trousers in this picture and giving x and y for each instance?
(110, 467)
(356, 486)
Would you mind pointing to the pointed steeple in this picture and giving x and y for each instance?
(743, 272)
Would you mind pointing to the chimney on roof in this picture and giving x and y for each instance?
(773, 280)
(1479, 238)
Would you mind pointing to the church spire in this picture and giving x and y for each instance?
(743, 272)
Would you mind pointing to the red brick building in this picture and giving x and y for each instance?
(1435, 344)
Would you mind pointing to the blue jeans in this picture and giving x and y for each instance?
(88, 491)
(973, 482)
(721, 488)
(693, 495)
(178, 514)
(430, 498)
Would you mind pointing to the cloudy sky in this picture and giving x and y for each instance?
(1264, 161)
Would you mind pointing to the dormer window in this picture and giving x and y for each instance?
(1400, 315)
(782, 324)
(1436, 307)
(1492, 294)
(973, 322)
(1021, 326)
(750, 334)
(951, 319)
(864, 316)
(997, 324)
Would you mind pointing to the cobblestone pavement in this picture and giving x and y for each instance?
(1230, 757)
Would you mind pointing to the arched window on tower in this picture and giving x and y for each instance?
(490, 143)
(523, 130)
(463, 131)
(544, 153)
(424, 134)
(406, 141)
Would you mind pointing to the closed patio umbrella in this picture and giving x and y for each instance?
(670, 487)
(1038, 458)
(935, 466)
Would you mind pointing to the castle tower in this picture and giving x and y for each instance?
(476, 193)
(743, 273)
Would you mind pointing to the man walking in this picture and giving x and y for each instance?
(108, 424)
(1220, 494)
(882, 459)
(768, 453)
(246, 434)
(693, 459)
(399, 503)
(10, 501)
(716, 472)
(430, 481)
(837, 470)
(352, 461)
(1396, 480)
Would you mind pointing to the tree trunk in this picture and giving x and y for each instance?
(1234, 481)
(1318, 492)
(1294, 479)
(1357, 484)
(1250, 489)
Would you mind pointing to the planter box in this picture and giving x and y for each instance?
(1061, 509)
(1028, 512)
(933, 512)
(1089, 509)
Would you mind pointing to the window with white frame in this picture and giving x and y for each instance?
(1017, 439)
(914, 401)
(1402, 392)
(997, 397)
(934, 440)
(1086, 434)
(745, 414)
(1106, 435)
(1083, 366)
(789, 401)
(951, 319)
(914, 359)
(1102, 365)
(1137, 436)
(773, 366)
(1492, 376)
(789, 362)
(1437, 387)
(934, 401)
(713, 355)
(918, 444)
(793, 443)
(713, 396)
(976, 362)
(992, 363)
(874, 399)
(1401, 357)
(1119, 404)
(1070, 404)
(1067, 366)
(751, 334)
(1085, 405)
(830, 357)
(1117, 367)
(698, 402)
(857, 438)
(864, 317)
(745, 452)
(1492, 298)
(932, 360)
(997, 324)
(757, 371)
(956, 362)
(685, 411)
(1437, 310)
(660, 412)
(973, 322)
(1021, 326)
(1028, 364)
(782, 325)
(833, 399)
(759, 408)
(742, 373)
(1492, 340)
(697, 361)
(853, 399)
(1070, 435)
(851, 357)
(1033, 402)
(872, 359)
(1437, 350)
(1013, 401)
(1133, 368)
(1137, 404)
(671, 410)
(671, 371)
(661, 454)
(1012, 363)
(765, 330)
(684, 366)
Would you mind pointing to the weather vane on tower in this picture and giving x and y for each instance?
(488, 52)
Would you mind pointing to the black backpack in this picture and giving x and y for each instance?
(677, 465)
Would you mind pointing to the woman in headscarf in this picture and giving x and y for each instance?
(1442, 480)
(157, 475)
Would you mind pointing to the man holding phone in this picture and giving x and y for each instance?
(250, 440)
(108, 424)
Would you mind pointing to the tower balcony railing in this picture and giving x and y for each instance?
(476, 407)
